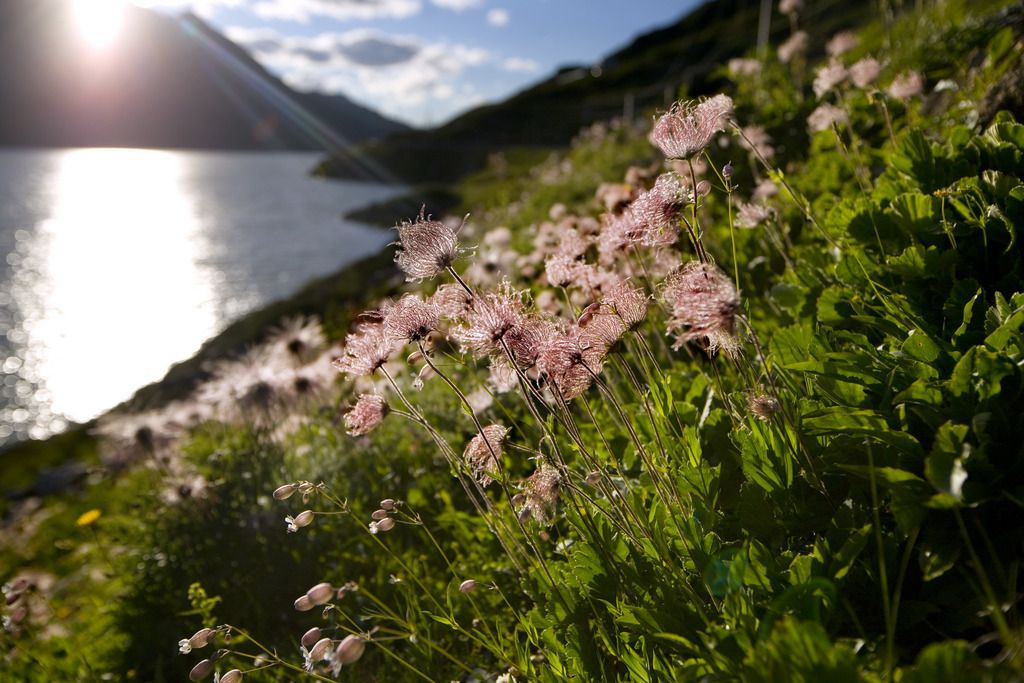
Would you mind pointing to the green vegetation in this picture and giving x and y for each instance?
(821, 482)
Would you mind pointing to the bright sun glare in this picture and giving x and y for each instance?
(99, 20)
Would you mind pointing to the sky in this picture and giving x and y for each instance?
(424, 62)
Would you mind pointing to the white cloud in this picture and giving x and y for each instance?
(457, 5)
(302, 10)
(399, 75)
(498, 17)
(519, 64)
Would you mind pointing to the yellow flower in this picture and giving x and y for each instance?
(88, 517)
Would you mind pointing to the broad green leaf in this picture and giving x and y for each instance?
(843, 560)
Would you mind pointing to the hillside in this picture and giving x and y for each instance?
(167, 82)
(645, 74)
(734, 397)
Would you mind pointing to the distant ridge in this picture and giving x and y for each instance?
(646, 73)
(168, 82)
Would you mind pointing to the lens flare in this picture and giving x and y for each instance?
(99, 21)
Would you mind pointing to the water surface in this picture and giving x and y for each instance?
(119, 262)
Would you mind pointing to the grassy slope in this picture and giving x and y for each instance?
(549, 114)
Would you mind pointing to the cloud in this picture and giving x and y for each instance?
(498, 17)
(399, 75)
(303, 10)
(457, 5)
(520, 65)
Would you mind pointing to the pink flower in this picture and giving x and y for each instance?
(752, 215)
(483, 453)
(366, 415)
(757, 140)
(744, 67)
(427, 247)
(828, 77)
(825, 116)
(365, 350)
(790, 6)
(865, 72)
(703, 302)
(795, 45)
(841, 43)
(905, 86)
(688, 128)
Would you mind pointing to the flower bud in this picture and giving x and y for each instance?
(386, 524)
(201, 670)
(320, 649)
(378, 515)
(727, 171)
(310, 637)
(388, 504)
(703, 188)
(593, 478)
(233, 676)
(467, 586)
(320, 593)
(414, 357)
(304, 604)
(304, 518)
(201, 638)
(350, 649)
(283, 492)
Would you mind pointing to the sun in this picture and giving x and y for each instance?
(99, 21)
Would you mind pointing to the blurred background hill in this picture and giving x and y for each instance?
(169, 81)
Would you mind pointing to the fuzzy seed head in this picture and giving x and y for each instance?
(703, 302)
(483, 453)
(540, 491)
(366, 349)
(366, 415)
(688, 127)
(426, 247)
(410, 319)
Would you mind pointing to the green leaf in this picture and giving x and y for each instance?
(950, 662)
(843, 560)
(917, 214)
(920, 346)
(944, 466)
(979, 372)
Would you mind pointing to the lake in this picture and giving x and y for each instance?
(119, 262)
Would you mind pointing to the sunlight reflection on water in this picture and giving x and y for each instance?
(101, 264)
(131, 263)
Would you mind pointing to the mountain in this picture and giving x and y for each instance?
(646, 73)
(164, 82)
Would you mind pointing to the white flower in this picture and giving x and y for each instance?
(184, 647)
